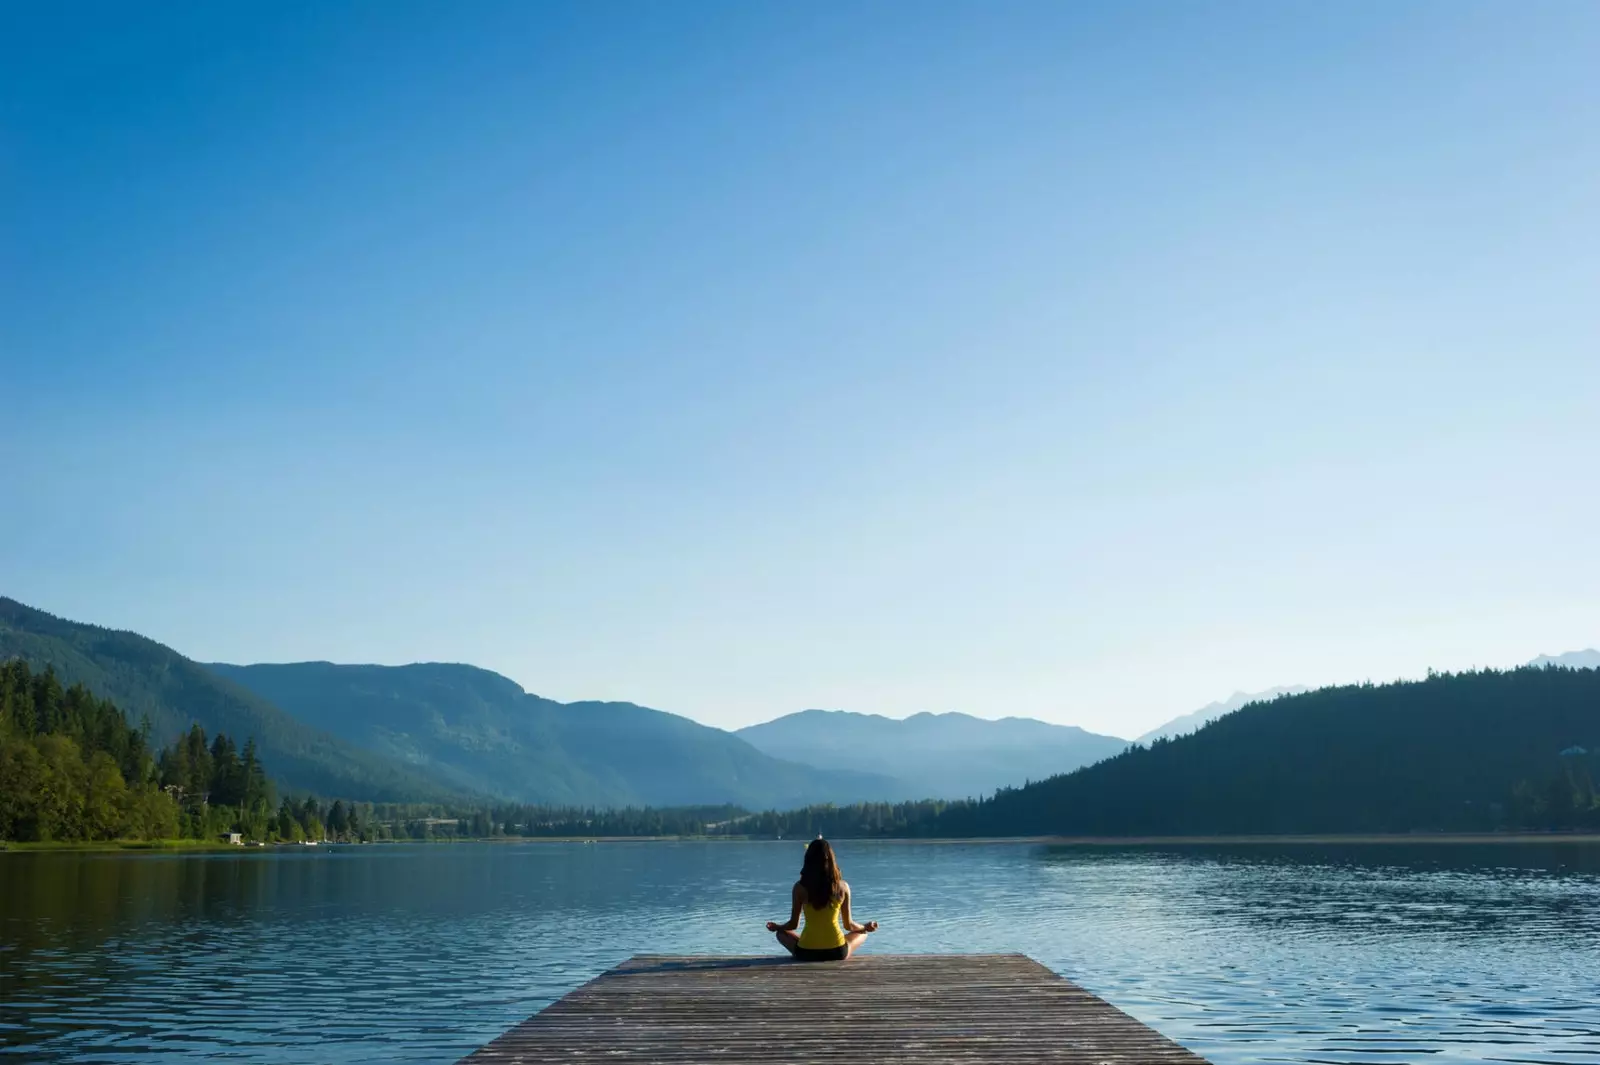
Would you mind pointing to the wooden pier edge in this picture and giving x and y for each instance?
(913, 1009)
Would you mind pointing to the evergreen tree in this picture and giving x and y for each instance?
(257, 792)
(288, 827)
(226, 787)
(72, 768)
(338, 820)
(47, 697)
(197, 784)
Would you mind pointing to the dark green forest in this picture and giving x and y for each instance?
(859, 820)
(1478, 751)
(150, 681)
(419, 822)
(386, 821)
(867, 820)
(73, 769)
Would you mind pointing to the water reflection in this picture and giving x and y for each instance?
(386, 954)
(1389, 891)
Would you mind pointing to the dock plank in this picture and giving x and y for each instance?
(909, 1009)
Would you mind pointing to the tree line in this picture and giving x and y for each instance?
(73, 769)
(865, 820)
(1484, 750)
(429, 821)
(1566, 797)
(1481, 750)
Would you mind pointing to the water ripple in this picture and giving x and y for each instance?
(420, 954)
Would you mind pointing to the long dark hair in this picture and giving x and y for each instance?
(820, 875)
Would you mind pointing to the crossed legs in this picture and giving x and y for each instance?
(791, 942)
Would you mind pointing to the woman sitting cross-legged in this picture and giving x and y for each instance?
(824, 898)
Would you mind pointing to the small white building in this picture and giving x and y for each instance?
(236, 838)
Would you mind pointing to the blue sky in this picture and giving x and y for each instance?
(1082, 362)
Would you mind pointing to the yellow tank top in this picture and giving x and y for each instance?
(821, 930)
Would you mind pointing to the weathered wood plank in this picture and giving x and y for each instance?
(906, 1009)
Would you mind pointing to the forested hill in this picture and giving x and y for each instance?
(1453, 752)
(152, 682)
(1187, 723)
(478, 729)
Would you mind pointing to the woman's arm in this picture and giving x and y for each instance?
(795, 898)
(844, 916)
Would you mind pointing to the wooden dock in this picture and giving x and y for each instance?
(909, 1008)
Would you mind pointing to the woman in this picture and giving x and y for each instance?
(824, 898)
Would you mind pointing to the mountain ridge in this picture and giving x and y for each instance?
(1470, 751)
(939, 755)
(150, 681)
(1588, 658)
(1195, 719)
(472, 726)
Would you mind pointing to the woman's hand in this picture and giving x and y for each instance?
(870, 926)
(772, 926)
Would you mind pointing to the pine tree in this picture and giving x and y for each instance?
(257, 793)
(338, 820)
(197, 787)
(227, 780)
(47, 699)
(72, 768)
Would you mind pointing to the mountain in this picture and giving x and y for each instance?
(1589, 659)
(1464, 751)
(476, 729)
(1208, 713)
(948, 756)
(150, 681)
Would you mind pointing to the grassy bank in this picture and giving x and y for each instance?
(155, 845)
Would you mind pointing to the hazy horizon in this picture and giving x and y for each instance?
(1586, 653)
(1084, 364)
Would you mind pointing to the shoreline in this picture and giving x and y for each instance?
(1330, 838)
(1313, 839)
(1324, 839)
(131, 846)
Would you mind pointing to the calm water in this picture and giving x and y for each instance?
(420, 954)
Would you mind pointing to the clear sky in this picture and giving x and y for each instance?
(1082, 362)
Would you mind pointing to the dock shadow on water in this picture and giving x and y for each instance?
(425, 953)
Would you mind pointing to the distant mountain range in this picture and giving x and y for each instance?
(950, 756)
(1589, 659)
(1187, 723)
(424, 733)
(437, 732)
(476, 730)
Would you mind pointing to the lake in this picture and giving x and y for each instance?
(1302, 953)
